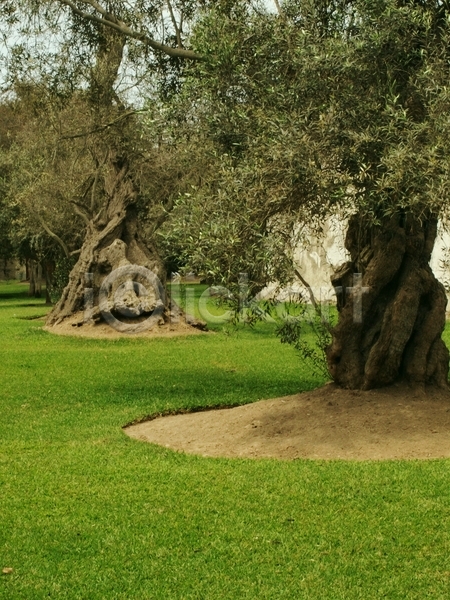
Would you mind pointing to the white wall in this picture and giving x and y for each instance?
(318, 258)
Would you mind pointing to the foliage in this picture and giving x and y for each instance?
(60, 277)
(309, 332)
(215, 233)
(9, 211)
(328, 108)
(42, 171)
(74, 88)
(8, 215)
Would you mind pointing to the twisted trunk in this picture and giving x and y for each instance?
(113, 238)
(391, 307)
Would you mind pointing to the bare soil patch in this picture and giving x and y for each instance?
(328, 423)
(74, 326)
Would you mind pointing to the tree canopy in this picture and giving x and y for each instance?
(322, 112)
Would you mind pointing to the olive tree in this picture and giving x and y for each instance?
(96, 162)
(337, 108)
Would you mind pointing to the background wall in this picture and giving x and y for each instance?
(316, 260)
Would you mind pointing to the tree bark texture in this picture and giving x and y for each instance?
(391, 315)
(112, 239)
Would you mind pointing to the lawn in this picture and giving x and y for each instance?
(88, 513)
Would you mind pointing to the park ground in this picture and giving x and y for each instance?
(88, 513)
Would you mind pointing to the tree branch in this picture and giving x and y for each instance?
(53, 235)
(100, 127)
(314, 302)
(94, 189)
(279, 9)
(174, 23)
(111, 21)
(308, 287)
(162, 217)
(81, 211)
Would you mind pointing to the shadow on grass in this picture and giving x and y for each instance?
(13, 294)
(28, 304)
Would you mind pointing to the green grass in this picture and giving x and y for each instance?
(88, 513)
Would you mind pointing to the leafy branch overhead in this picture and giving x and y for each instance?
(102, 16)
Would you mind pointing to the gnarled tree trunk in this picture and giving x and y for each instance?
(391, 307)
(117, 272)
(112, 238)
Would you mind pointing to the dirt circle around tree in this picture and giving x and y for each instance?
(77, 327)
(328, 423)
